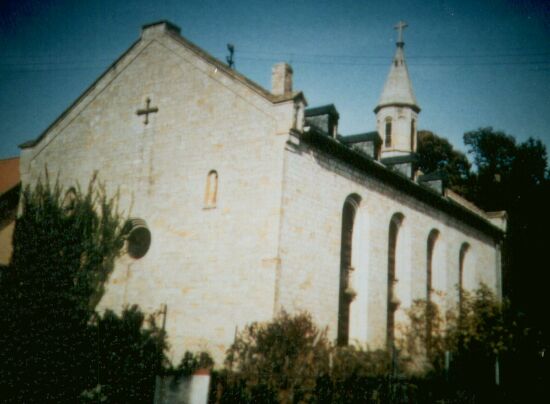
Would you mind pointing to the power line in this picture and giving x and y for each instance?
(532, 53)
(348, 63)
(35, 64)
(386, 57)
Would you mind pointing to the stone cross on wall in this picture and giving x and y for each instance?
(401, 25)
(147, 110)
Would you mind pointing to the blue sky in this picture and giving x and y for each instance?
(472, 63)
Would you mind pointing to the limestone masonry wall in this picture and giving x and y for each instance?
(214, 266)
(315, 188)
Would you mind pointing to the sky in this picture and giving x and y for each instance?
(472, 63)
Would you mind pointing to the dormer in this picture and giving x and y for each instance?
(323, 119)
(369, 143)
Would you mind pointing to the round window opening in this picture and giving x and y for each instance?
(138, 237)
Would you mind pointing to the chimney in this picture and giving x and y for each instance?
(281, 79)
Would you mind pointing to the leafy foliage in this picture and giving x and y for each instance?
(462, 349)
(511, 176)
(192, 362)
(480, 325)
(505, 171)
(54, 347)
(127, 354)
(356, 375)
(280, 361)
(423, 341)
(437, 154)
(514, 177)
(289, 360)
(443, 357)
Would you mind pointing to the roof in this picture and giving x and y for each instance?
(398, 89)
(434, 176)
(173, 31)
(406, 158)
(9, 174)
(329, 109)
(372, 167)
(361, 137)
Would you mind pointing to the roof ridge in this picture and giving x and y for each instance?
(233, 73)
(188, 44)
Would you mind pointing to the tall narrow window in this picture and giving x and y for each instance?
(430, 312)
(413, 134)
(432, 238)
(346, 292)
(211, 192)
(393, 301)
(461, 258)
(388, 132)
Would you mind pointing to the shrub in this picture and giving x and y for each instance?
(278, 361)
(54, 347)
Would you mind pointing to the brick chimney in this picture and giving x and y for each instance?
(281, 79)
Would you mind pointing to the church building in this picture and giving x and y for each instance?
(244, 202)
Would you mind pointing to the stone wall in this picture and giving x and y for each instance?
(314, 191)
(214, 266)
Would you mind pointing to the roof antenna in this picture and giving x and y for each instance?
(229, 58)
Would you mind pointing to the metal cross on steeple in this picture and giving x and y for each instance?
(401, 25)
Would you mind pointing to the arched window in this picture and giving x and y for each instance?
(388, 132)
(393, 301)
(461, 259)
(211, 192)
(432, 239)
(413, 134)
(69, 200)
(346, 292)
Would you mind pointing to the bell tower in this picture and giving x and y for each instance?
(397, 110)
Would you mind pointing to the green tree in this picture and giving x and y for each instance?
(65, 246)
(462, 348)
(126, 356)
(494, 153)
(279, 361)
(514, 177)
(437, 154)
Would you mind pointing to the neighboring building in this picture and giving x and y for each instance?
(247, 203)
(9, 199)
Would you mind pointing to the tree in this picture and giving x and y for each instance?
(65, 246)
(514, 177)
(437, 154)
(279, 361)
(464, 351)
(505, 171)
(126, 357)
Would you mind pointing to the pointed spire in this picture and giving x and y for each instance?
(398, 88)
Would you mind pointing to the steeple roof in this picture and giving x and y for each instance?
(398, 88)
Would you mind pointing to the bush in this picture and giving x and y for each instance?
(278, 361)
(447, 359)
(54, 347)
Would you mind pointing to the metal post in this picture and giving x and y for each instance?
(447, 364)
(497, 372)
